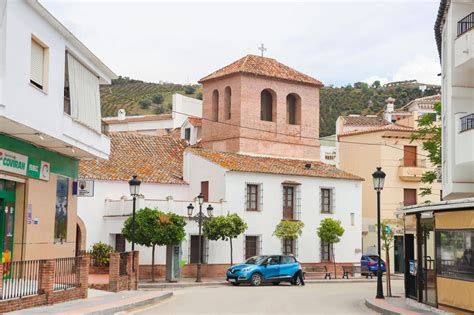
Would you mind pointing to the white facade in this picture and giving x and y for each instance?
(182, 108)
(328, 150)
(103, 214)
(190, 133)
(37, 114)
(457, 59)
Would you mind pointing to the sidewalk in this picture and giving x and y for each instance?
(401, 305)
(101, 302)
(191, 282)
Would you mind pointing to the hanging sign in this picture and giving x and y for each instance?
(85, 188)
(21, 164)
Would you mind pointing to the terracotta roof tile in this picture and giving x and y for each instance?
(262, 66)
(195, 121)
(390, 127)
(155, 159)
(426, 102)
(270, 165)
(365, 121)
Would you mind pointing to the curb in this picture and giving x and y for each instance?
(379, 309)
(122, 308)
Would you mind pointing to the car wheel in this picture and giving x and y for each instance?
(276, 283)
(296, 280)
(256, 279)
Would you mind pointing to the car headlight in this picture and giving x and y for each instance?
(246, 269)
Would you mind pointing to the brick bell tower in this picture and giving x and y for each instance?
(259, 106)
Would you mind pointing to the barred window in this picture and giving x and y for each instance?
(289, 247)
(252, 197)
(326, 253)
(252, 246)
(326, 200)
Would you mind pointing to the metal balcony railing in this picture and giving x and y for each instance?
(466, 24)
(413, 162)
(467, 122)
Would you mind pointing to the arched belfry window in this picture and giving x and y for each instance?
(293, 109)
(267, 101)
(215, 105)
(227, 103)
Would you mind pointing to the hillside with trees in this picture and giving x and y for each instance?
(142, 98)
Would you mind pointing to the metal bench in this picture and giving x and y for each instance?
(353, 269)
(317, 270)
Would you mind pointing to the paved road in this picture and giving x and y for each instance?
(321, 298)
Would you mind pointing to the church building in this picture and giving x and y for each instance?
(257, 155)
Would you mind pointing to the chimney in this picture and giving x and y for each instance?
(390, 108)
(121, 114)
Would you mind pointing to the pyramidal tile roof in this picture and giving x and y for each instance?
(270, 165)
(365, 121)
(262, 66)
(154, 159)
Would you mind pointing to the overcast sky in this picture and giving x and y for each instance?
(336, 42)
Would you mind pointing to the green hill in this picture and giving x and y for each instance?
(141, 98)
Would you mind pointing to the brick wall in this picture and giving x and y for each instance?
(47, 295)
(118, 282)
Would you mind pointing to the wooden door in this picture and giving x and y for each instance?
(205, 190)
(250, 246)
(288, 202)
(409, 155)
(409, 197)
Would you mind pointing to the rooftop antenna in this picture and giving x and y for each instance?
(262, 49)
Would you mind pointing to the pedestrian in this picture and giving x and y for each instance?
(300, 276)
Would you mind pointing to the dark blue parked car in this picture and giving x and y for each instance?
(266, 268)
(371, 262)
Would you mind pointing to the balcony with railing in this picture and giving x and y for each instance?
(464, 144)
(411, 169)
(123, 207)
(464, 43)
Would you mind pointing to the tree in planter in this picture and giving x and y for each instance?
(387, 235)
(224, 228)
(330, 231)
(288, 230)
(152, 228)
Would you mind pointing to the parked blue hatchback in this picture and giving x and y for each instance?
(371, 262)
(265, 269)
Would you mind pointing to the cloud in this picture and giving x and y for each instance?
(374, 78)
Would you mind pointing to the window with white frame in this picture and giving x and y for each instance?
(39, 55)
(327, 200)
(253, 197)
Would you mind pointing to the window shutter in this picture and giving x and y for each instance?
(37, 63)
(206, 250)
(333, 200)
(189, 249)
(260, 206)
(245, 247)
(295, 248)
(320, 200)
(246, 198)
(259, 245)
(298, 202)
(282, 247)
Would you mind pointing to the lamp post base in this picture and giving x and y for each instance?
(379, 286)
(199, 273)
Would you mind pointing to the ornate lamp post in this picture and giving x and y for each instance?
(379, 179)
(134, 184)
(199, 218)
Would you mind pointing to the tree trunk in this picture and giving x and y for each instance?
(153, 264)
(334, 261)
(231, 256)
(387, 273)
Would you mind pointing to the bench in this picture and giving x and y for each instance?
(353, 269)
(317, 270)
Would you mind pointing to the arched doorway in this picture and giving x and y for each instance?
(80, 236)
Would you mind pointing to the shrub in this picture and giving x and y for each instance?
(199, 96)
(189, 89)
(159, 110)
(144, 104)
(100, 254)
(158, 99)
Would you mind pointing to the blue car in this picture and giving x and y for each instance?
(265, 269)
(371, 261)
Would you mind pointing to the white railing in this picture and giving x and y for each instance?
(124, 207)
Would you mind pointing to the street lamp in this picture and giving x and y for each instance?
(199, 218)
(134, 184)
(379, 179)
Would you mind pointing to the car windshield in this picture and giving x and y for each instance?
(255, 260)
(374, 257)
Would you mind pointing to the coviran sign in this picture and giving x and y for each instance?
(21, 164)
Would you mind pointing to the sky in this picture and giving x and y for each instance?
(337, 42)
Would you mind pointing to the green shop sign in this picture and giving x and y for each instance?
(21, 164)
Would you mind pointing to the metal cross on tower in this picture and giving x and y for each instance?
(262, 49)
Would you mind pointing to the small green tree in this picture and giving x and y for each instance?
(330, 231)
(101, 254)
(224, 228)
(158, 99)
(387, 235)
(288, 230)
(152, 228)
(430, 132)
(189, 89)
(144, 104)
